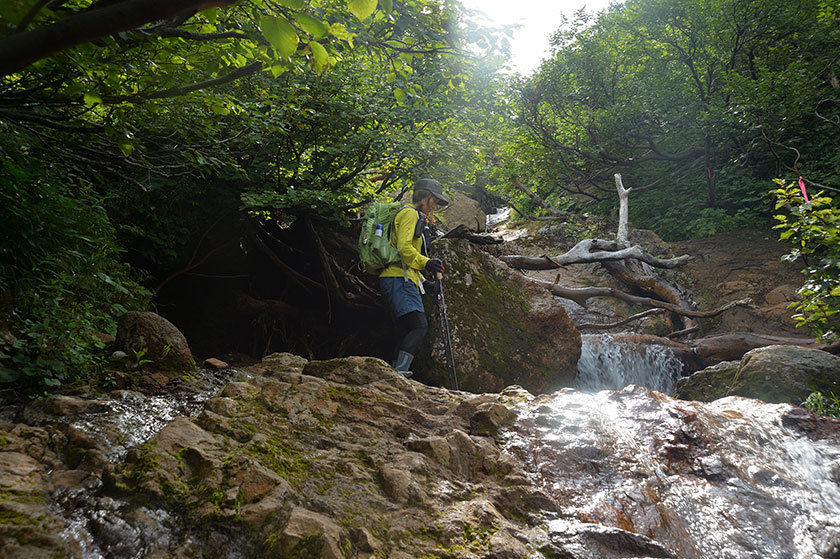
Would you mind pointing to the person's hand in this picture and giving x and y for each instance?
(434, 266)
(432, 287)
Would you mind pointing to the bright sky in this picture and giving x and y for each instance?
(539, 18)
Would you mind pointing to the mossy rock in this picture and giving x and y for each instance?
(777, 374)
(503, 329)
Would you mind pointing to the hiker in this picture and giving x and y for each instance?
(402, 287)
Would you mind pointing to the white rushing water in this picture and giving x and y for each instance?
(609, 364)
(733, 479)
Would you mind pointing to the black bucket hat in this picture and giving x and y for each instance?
(434, 187)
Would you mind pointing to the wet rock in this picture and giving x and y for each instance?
(223, 406)
(214, 364)
(523, 500)
(812, 424)
(489, 417)
(73, 479)
(581, 541)
(59, 404)
(707, 386)
(773, 374)
(156, 338)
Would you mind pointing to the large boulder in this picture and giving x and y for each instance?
(779, 374)
(155, 339)
(504, 330)
(463, 210)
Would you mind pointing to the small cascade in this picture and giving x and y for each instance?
(732, 478)
(608, 364)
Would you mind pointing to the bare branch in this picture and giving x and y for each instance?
(540, 202)
(627, 320)
(183, 90)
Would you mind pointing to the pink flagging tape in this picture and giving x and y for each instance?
(802, 188)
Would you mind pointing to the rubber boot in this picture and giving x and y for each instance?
(403, 362)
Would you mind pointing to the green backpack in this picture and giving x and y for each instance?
(375, 250)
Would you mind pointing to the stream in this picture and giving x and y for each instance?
(731, 479)
(99, 526)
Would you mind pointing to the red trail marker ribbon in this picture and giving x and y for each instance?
(802, 188)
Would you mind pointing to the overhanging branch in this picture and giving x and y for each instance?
(19, 50)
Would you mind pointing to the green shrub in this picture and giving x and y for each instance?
(60, 275)
(814, 229)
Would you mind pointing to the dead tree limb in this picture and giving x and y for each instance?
(333, 288)
(19, 50)
(623, 210)
(592, 250)
(463, 232)
(581, 295)
(629, 319)
(684, 332)
(539, 201)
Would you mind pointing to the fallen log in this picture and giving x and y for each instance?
(592, 250)
(581, 295)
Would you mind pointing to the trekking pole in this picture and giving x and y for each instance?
(447, 337)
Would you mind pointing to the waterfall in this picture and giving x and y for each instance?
(609, 364)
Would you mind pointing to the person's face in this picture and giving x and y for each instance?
(430, 204)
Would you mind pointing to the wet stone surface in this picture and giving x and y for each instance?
(727, 479)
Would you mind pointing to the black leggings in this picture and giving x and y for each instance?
(413, 327)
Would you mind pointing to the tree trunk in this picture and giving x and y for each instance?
(539, 201)
(622, 236)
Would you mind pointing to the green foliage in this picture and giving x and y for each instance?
(157, 142)
(827, 405)
(61, 277)
(814, 229)
(697, 103)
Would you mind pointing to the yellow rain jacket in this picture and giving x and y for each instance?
(409, 247)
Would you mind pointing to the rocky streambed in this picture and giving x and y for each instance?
(347, 459)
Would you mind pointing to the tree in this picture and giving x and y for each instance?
(207, 135)
(675, 95)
